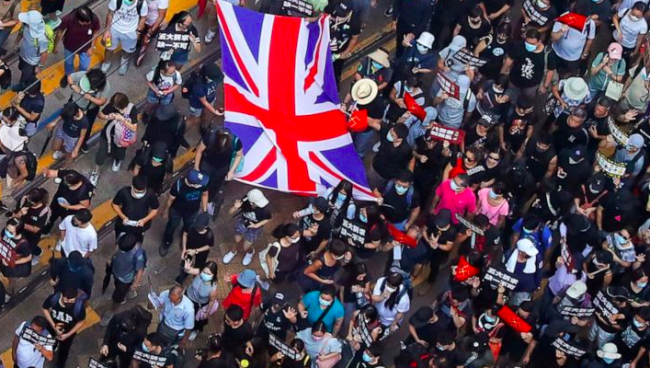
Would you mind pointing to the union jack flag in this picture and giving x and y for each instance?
(281, 101)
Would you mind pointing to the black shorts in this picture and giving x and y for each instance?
(564, 67)
(51, 6)
(121, 289)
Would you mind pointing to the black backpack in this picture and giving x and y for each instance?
(31, 162)
(140, 5)
(186, 90)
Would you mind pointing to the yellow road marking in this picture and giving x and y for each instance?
(92, 318)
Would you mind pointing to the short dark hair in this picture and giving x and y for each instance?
(34, 87)
(140, 182)
(328, 290)
(10, 113)
(155, 339)
(401, 130)
(405, 176)
(606, 102)
(69, 111)
(84, 215)
(337, 247)
(97, 79)
(235, 312)
(72, 178)
(127, 242)
(464, 178)
(639, 5)
(39, 321)
(70, 293)
(533, 33)
(84, 14)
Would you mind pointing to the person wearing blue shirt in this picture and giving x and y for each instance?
(314, 304)
(177, 315)
(202, 94)
(532, 228)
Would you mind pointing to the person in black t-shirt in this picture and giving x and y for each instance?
(430, 157)
(166, 126)
(278, 317)
(400, 202)
(154, 344)
(525, 64)
(155, 163)
(570, 131)
(425, 324)
(135, 206)
(65, 315)
(493, 48)
(34, 213)
(616, 211)
(473, 27)
(216, 355)
(540, 156)
(315, 225)
(597, 123)
(394, 155)
(236, 331)
(186, 197)
(573, 169)
(74, 193)
(74, 272)
(253, 213)
(439, 235)
(12, 236)
(302, 359)
(345, 28)
(218, 155)
(517, 127)
(196, 243)
(70, 135)
(30, 105)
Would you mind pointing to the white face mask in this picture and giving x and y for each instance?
(421, 49)
(541, 4)
(390, 290)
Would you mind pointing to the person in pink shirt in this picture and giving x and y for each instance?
(493, 204)
(454, 195)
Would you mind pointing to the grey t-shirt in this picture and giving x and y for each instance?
(82, 102)
(126, 264)
(451, 111)
(30, 49)
(569, 47)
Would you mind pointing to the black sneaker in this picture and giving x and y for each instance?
(64, 82)
(163, 249)
(388, 12)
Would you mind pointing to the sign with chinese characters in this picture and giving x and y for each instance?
(619, 136)
(475, 229)
(448, 86)
(496, 278)
(148, 358)
(94, 363)
(354, 231)
(466, 58)
(35, 338)
(298, 8)
(443, 133)
(533, 14)
(7, 253)
(567, 348)
(610, 167)
(169, 39)
(579, 312)
(366, 337)
(604, 306)
(282, 347)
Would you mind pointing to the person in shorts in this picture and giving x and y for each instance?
(203, 94)
(69, 136)
(126, 19)
(253, 214)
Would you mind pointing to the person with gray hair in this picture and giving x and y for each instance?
(632, 155)
(176, 316)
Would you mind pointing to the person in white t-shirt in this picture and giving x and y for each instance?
(391, 299)
(156, 13)
(630, 27)
(124, 20)
(77, 233)
(26, 354)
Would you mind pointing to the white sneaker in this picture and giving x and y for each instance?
(105, 66)
(229, 257)
(193, 336)
(58, 246)
(263, 284)
(94, 177)
(248, 257)
(209, 36)
(35, 260)
(124, 67)
(116, 165)
(57, 155)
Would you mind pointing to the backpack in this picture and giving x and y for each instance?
(140, 5)
(78, 304)
(186, 90)
(123, 136)
(51, 37)
(212, 137)
(31, 162)
(409, 193)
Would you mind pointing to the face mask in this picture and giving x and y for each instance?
(363, 218)
(145, 348)
(634, 18)
(340, 198)
(138, 195)
(441, 348)
(294, 241)
(421, 49)
(638, 324)
(316, 338)
(322, 301)
(366, 358)
(526, 231)
(455, 187)
(619, 239)
(390, 290)
(608, 360)
(400, 189)
(158, 160)
(389, 137)
(490, 319)
(641, 284)
(8, 234)
(530, 47)
(493, 195)
(497, 90)
(541, 4)
(205, 277)
(592, 190)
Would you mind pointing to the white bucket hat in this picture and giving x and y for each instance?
(609, 351)
(364, 91)
(426, 39)
(576, 89)
(34, 21)
(527, 246)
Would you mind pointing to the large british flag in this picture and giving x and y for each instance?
(281, 100)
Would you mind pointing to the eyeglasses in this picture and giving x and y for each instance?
(494, 158)
(470, 159)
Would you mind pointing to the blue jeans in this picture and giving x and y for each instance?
(84, 61)
(4, 34)
(363, 142)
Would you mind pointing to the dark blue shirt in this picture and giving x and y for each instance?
(202, 89)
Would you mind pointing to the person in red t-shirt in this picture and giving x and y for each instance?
(245, 292)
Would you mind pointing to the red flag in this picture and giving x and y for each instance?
(202, 5)
(400, 237)
(458, 169)
(513, 320)
(573, 20)
(414, 107)
(358, 121)
(464, 270)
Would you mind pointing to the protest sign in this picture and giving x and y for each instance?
(604, 306)
(366, 337)
(610, 167)
(533, 14)
(149, 358)
(298, 8)
(579, 312)
(475, 229)
(465, 57)
(7, 253)
(443, 133)
(35, 338)
(355, 231)
(94, 363)
(496, 278)
(567, 348)
(282, 347)
(619, 136)
(448, 86)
